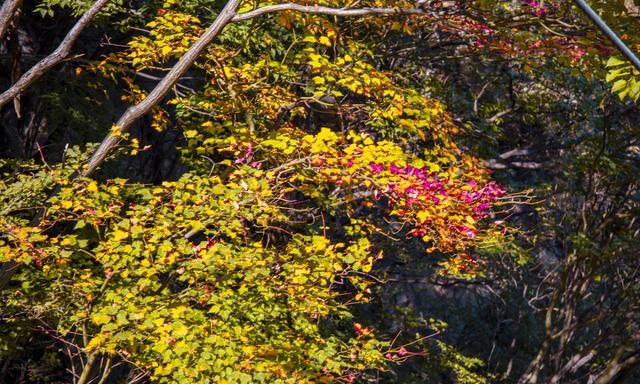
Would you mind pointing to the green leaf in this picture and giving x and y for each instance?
(100, 318)
(614, 61)
(634, 92)
(618, 86)
(614, 74)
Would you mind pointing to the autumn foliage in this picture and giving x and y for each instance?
(305, 161)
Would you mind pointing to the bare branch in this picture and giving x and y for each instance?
(477, 98)
(495, 164)
(84, 376)
(59, 55)
(327, 11)
(515, 152)
(284, 111)
(161, 90)
(7, 270)
(499, 115)
(8, 10)
(615, 366)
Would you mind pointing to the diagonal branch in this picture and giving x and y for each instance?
(7, 12)
(59, 55)
(162, 89)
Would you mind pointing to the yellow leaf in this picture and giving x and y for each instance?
(433, 167)
(95, 342)
(246, 8)
(422, 216)
(177, 312)
(158, 322)
(324, 40)
(120, 235)
(190, 133)
(114, 189)
(100, 318)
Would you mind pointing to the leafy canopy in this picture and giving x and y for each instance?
(302, 154)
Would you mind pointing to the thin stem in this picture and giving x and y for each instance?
(86, 371)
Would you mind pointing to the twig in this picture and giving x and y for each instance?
(477, 98)
(499, 115)
(87, 368)
(106, 371)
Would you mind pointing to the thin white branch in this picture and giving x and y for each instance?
(475, 101)
(499, 115)
(515, 152)
(59, 55)
(327, 11)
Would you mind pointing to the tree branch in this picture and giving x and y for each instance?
(160, 91)
(84, 376)
(615, 366)
(59, 55)
(284, 111)
(327, 11)
(7, 12)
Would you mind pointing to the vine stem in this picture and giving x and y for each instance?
(84, 376)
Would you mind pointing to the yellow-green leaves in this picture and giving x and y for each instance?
(298, 154)
(171, 34)
(174, 277)
(623, 78)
